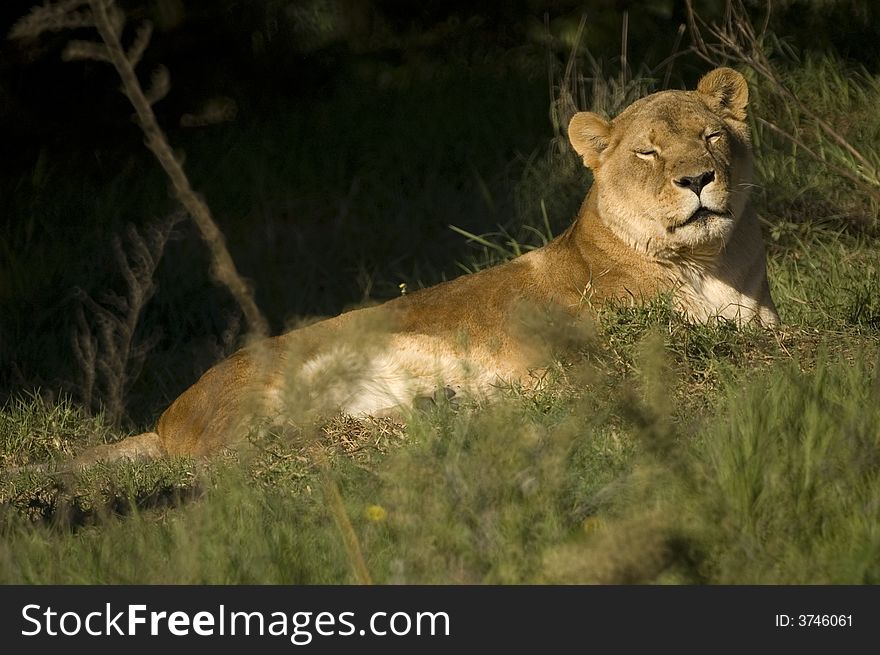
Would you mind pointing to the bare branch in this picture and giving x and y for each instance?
(109, 21)
(105, 347)
(696, 35)
(88, 50)
(222, 267)
(160, 84)
(140, 43)
(52, 17)
(115, 17)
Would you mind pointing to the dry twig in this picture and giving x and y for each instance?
(104, 344)
(109, 21)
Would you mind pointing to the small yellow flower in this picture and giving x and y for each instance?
(591, 524)
(376, 513)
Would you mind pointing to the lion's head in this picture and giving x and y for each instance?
(672, 170)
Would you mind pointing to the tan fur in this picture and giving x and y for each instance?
(631, 240)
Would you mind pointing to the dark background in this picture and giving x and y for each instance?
(361, 130)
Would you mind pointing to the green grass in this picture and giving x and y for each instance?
(770, 477)
(661, 452)
(666, 452)
(789, 479)
(799, 187)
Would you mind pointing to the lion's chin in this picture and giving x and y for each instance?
(704, 233)
(702, 217)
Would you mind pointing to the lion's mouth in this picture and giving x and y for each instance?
(700, 215)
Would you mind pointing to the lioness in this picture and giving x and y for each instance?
(667, 213)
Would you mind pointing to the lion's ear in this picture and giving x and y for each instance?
(589, 135)
(726, 91)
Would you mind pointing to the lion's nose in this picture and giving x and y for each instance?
(696, 182)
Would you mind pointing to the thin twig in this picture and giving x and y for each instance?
(223, 268)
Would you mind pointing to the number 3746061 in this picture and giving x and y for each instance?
(814, 620)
